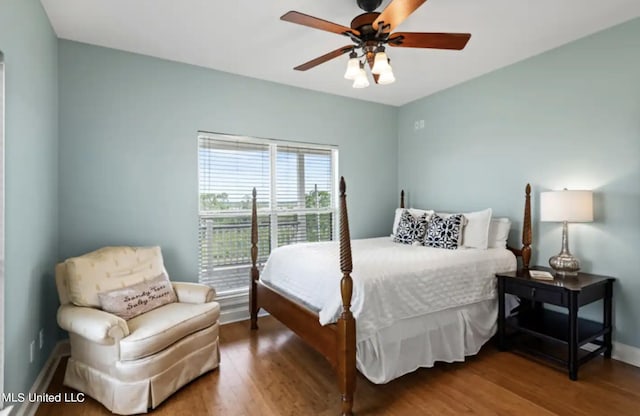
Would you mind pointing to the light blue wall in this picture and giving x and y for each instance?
(128, 160)
(567, 118)
(31, 183)
(127, 155)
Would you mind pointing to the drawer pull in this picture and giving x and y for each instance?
(533, 292)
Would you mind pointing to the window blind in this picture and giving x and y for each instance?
(295, 186)
(304, 185)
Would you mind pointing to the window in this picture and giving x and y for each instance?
(296, 189)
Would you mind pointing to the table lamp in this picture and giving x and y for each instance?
(565, 207)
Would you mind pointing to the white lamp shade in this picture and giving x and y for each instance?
(386, 77)
(353, 68)
(570, 206)
(361, 80)
(380, 63)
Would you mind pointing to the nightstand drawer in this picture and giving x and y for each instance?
(538, 294)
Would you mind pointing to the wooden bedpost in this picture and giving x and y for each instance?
(526, 229)
(402, 199)
(346, 359)
(255, 274)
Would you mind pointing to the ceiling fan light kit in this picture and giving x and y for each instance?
(361, 80)
(369, 33)
(353, 67)
(386, 77)
(381, 62)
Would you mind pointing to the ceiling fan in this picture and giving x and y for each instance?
(370, 32)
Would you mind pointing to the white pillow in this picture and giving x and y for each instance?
(417, 213)
(475, 233)
(499, 232)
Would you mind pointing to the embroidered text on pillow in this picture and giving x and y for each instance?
(444, 232)
(131, 301)
(410, 228)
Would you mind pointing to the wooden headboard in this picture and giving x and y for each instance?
(525, 251)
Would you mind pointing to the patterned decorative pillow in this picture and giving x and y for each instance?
(410, 228)
(444, 232)
(129, 302)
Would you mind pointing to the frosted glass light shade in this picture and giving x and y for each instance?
(353, 68)
(570, 206)
(361, 80)
(380, 63)
(386, 77)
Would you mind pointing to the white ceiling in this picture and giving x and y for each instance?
(246, 37)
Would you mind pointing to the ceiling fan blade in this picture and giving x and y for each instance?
(455, 41)
(396, 12)
(324, 58)
(316, 23)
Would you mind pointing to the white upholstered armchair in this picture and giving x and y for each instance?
(157, 336)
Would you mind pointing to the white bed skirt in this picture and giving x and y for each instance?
(447, 336)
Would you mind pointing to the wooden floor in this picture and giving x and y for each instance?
(277, 374)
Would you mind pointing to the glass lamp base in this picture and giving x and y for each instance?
(564, 264)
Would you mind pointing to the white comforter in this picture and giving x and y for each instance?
(394, 281)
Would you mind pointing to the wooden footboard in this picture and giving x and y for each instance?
(336, 342)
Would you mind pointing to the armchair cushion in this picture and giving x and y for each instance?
(132, 301)
(155, 330)
(93, 324)
(110, 268)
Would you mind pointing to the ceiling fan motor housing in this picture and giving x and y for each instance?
(363, 23)
(369, 5)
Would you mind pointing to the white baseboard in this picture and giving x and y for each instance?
(234, 315)
(626, 354)
(621, 352)
(230, 317)
(41, 384)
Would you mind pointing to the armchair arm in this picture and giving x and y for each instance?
(193, 292)
(93, 324)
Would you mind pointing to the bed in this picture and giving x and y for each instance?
(427, 311)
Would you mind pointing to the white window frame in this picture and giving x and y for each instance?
(272, 211)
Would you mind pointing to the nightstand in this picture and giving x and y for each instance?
(540, 326)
